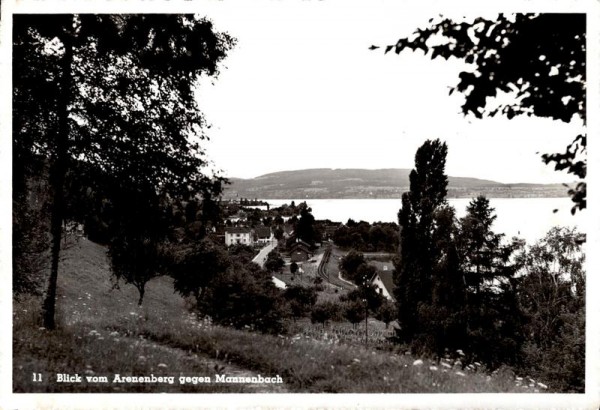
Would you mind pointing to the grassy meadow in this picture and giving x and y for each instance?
(101, 332)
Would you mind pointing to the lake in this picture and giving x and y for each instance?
(527, 218)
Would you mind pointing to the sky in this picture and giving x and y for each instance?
(301, 89)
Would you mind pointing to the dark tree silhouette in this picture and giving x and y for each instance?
(275, 262)
(428, 286)
(324, 312)
(350, 263)
(244, 296)
(305, 228)
(494, 321)
(117, 93)
(386, 312)
(194, 266)
(300, 300)
(540, 59)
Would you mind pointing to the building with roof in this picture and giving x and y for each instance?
(300, 252)
(235, 235)
(263, 234)
(384, 281)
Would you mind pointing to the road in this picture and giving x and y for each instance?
(261, 258)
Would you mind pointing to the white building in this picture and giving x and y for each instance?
(384, 281)
(237, 235)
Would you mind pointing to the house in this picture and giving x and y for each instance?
(384, 281)
(234, 235)
(263, 234)
(300, 252)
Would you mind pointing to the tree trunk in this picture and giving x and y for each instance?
(59, 170)
(142, 290)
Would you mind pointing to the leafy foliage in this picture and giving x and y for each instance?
(300, 300)
(244, 297)
(386, 312)
(30, 236)
(425, 276)
(538, 59)
(241, 253)
(195, 266)
(324, 312)
(116, 94)
(274, 262)
(493, 318)
(350, 264)
(552, 297)
(305, 227)
(364, 237)
(460, 286)
(365, 294)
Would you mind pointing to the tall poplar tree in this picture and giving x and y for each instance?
(428, 284)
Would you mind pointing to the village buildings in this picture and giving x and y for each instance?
(384, 282)
(248, 236)
(238, 235)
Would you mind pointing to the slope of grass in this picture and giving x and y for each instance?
(86, 342)
(102, 332)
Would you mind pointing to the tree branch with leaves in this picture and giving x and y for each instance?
(538, 59)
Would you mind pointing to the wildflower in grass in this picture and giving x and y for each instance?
(162, 365)
(434, 368)
(418, 362)
(460, 374)
(542, 385)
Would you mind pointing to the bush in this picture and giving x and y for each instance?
(274, 261)
(325, 312)
(245, 297)
(300, 300)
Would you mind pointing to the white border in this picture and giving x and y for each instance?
(591, 399)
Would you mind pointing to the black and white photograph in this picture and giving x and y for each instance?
(299, 203)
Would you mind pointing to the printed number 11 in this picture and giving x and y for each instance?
(37, 377)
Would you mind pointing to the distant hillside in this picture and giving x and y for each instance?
(365, 183)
